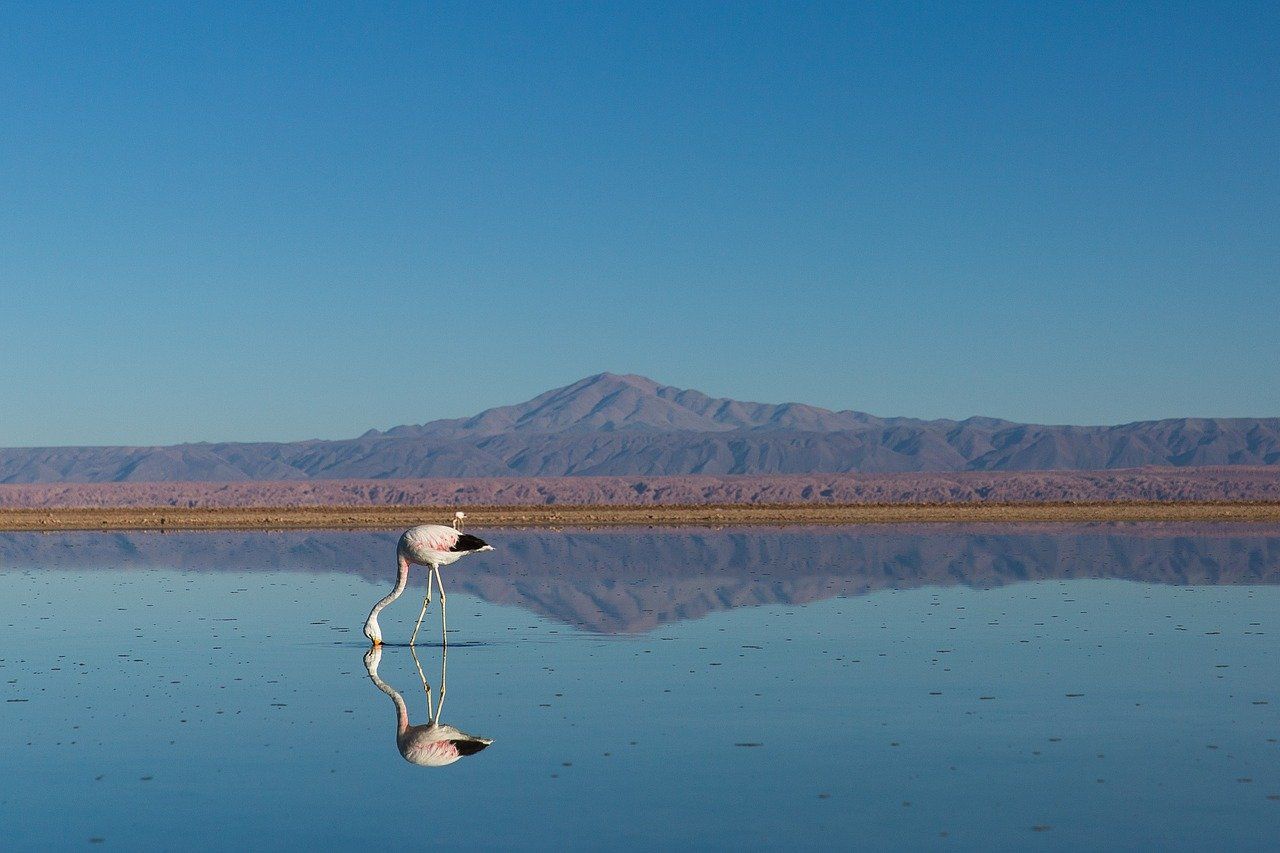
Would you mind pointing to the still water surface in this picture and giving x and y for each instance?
(939, 687)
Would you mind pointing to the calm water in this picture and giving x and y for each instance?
(895, 687)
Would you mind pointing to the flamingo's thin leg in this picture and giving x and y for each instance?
(425, 602)
(444, 628)
(431, 714)
(444, 680)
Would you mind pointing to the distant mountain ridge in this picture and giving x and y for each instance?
(610, 402)
(628, 425)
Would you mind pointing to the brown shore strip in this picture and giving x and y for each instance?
(385, 517)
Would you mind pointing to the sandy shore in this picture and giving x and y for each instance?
(383, 517)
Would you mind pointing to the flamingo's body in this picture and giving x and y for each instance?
(433, 546)
(438, 545)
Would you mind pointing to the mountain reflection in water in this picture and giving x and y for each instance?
(626, 580)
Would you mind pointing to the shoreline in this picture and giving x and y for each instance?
(387, 517)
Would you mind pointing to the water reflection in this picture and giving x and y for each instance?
(433, 744)
(628, 581)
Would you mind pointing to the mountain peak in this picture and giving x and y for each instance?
(613, 402)
(603, 402)
(631, 380)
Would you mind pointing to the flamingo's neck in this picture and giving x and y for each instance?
(402, 710)
(402, 580)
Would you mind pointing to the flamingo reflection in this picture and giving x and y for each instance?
(433, 744)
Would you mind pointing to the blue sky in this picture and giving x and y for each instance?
(235, 223)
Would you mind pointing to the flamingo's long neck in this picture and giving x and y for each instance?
(402, 580)
(402, 710)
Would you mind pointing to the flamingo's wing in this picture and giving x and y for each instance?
(435, 537)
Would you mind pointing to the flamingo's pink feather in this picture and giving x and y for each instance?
(431, 538)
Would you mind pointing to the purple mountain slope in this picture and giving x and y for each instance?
(632, 426)
(608, 402)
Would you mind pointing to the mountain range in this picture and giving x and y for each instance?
(628, 425)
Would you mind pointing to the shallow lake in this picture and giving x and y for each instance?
(949, 687)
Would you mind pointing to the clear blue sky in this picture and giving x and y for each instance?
(234, 223)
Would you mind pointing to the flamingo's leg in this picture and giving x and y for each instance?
(444, 628)
(431, 714)
(444, 680)
(425, 602)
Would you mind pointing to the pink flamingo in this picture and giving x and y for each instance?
(433, 546)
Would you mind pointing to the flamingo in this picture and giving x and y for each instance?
(433, 546)
(433, 744)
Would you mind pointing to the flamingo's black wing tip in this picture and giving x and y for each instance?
(467, 542)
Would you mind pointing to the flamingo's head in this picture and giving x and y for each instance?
(372, 631)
